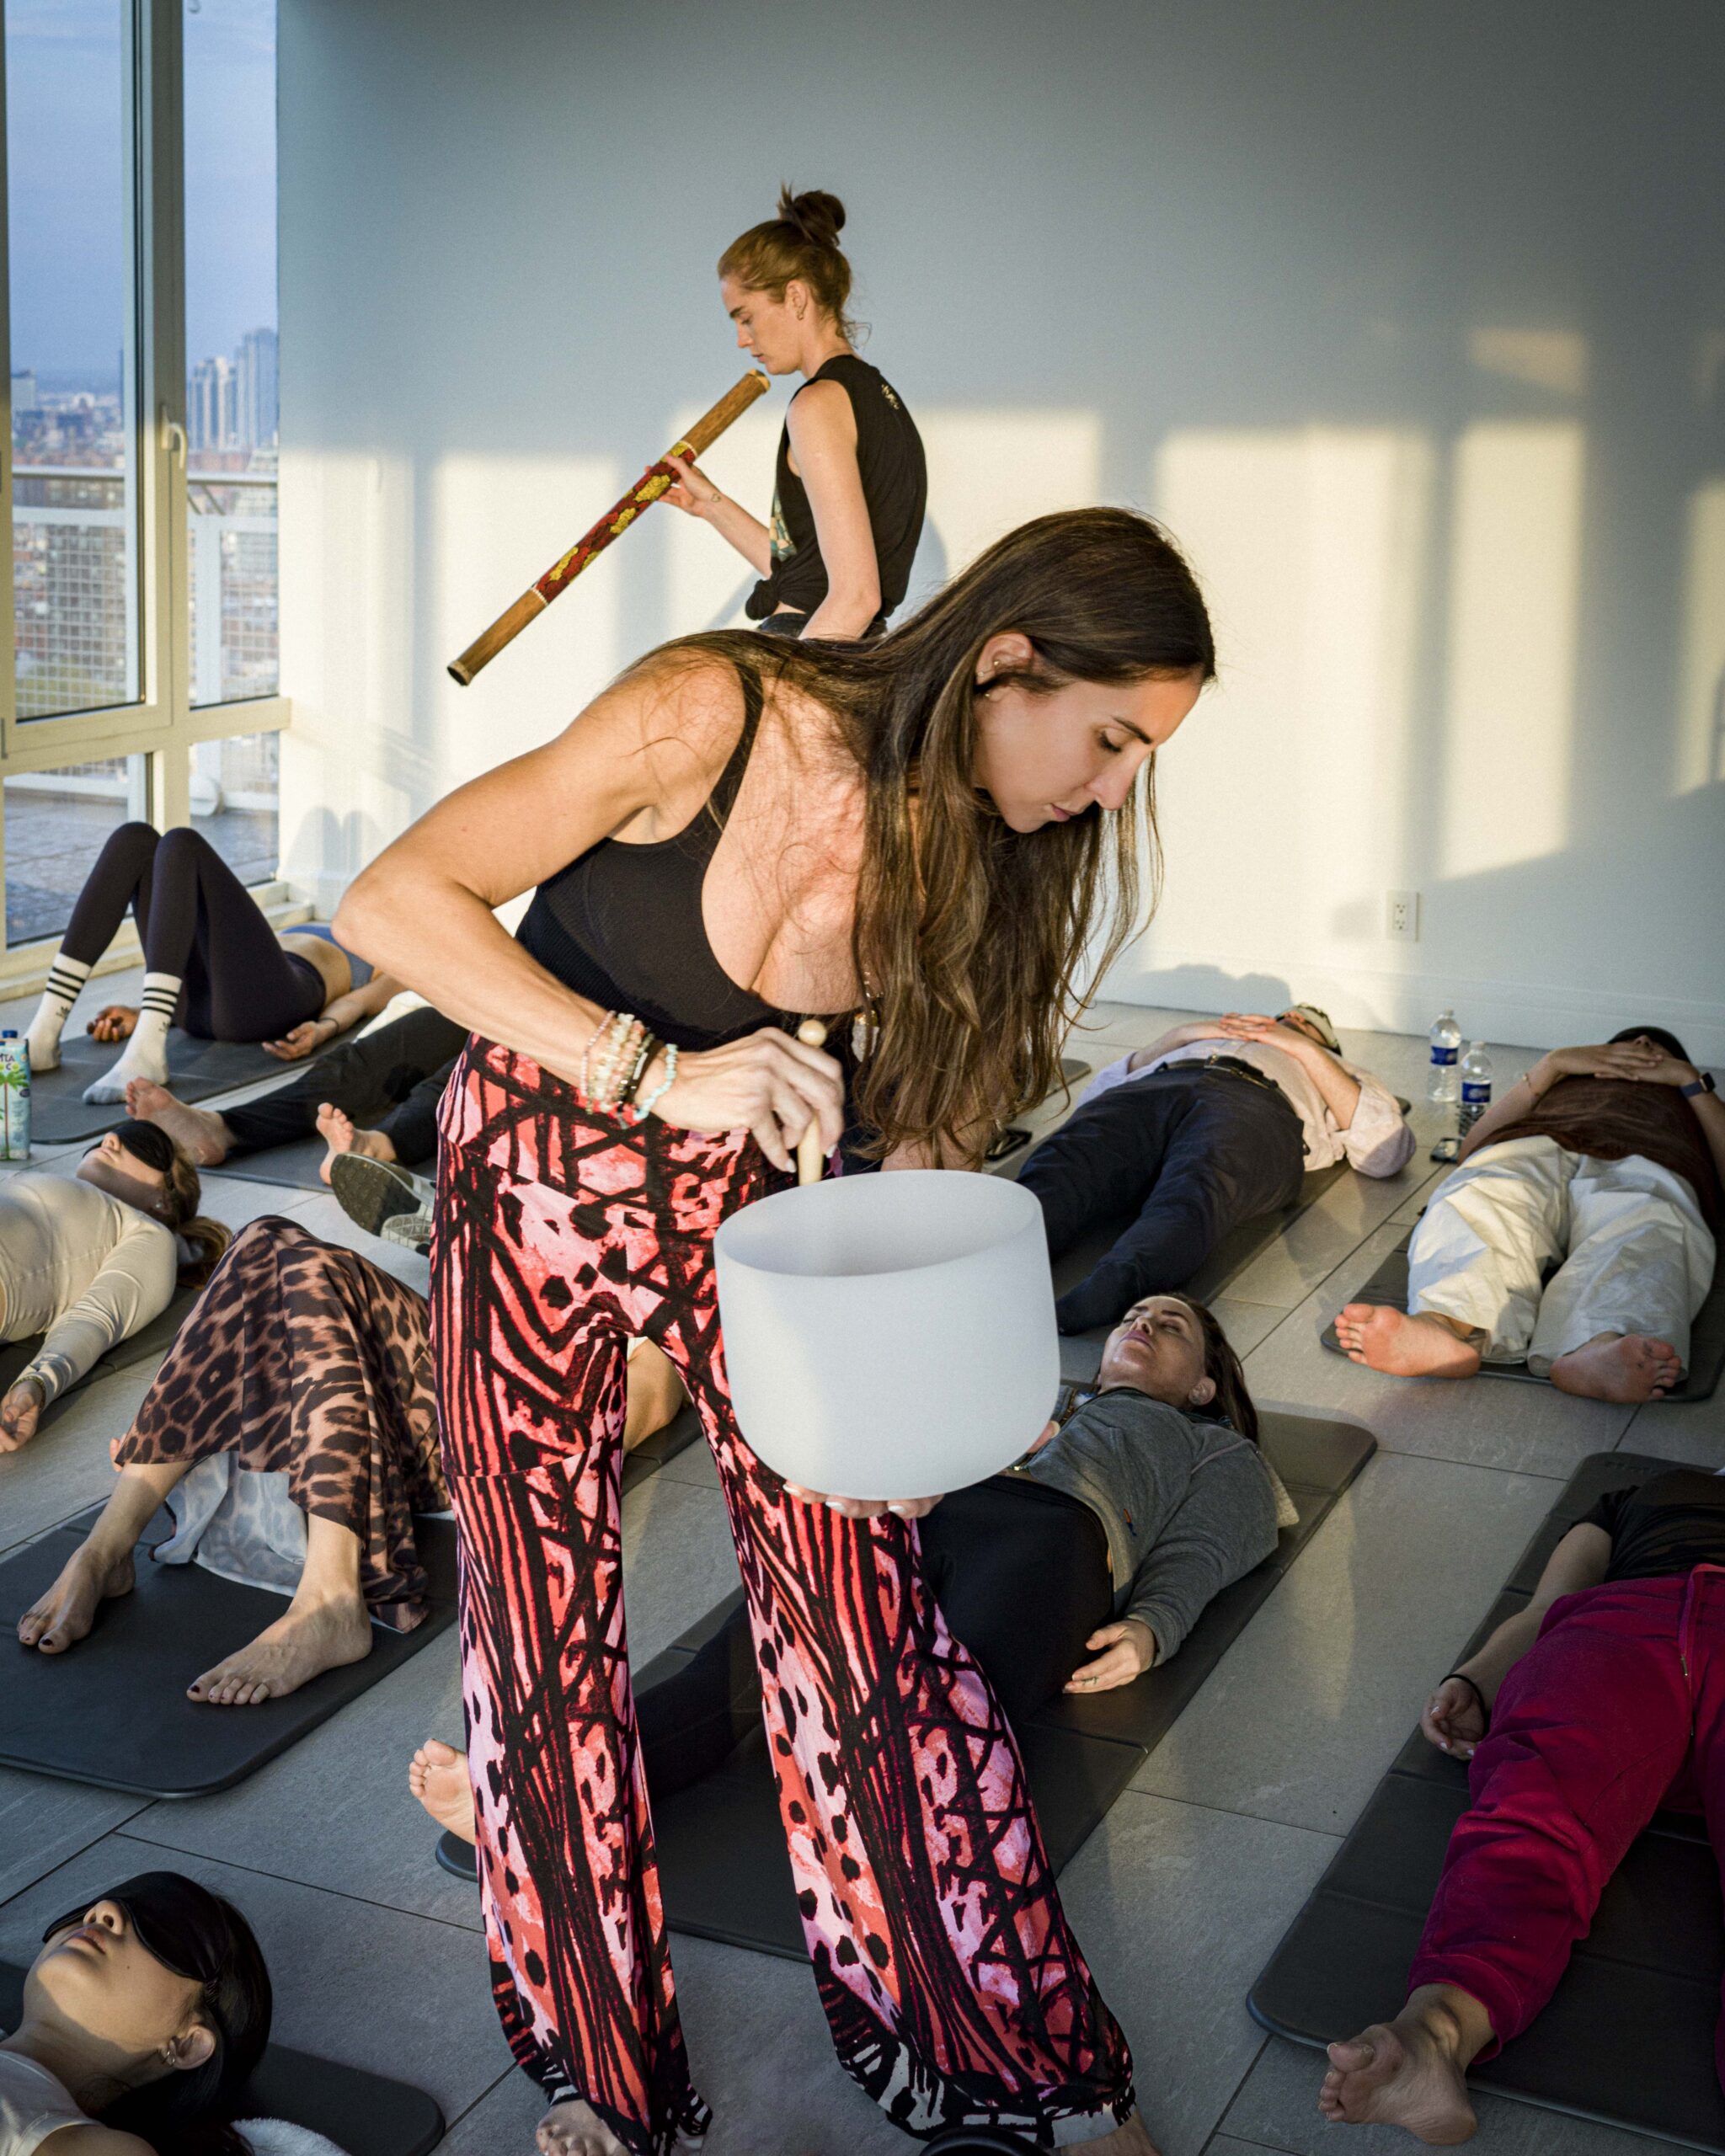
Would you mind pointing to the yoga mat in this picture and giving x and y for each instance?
(112, 1711)
(1080, 1353)
(196, 1070)
(364, 2114)
(293, 1167)
(155, 1338)
(1628, 2038)
(721, 1846)
(1706, 1339)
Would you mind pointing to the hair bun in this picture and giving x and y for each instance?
(818, 216)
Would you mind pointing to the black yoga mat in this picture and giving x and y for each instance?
(363, 2114)
(1082, 1352)
(112, 1710)
(721, 1846)
(154, 1339)
(1628, 2038)
(1706, 1338)
(293, 1167)
(196, 1070)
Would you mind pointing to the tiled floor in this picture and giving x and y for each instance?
(1179, 1896)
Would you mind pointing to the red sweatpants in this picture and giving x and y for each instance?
(1618, 1708)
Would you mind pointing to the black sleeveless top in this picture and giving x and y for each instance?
(895, 485)
(622, 924)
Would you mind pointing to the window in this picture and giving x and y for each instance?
(73, 363)
(135, 137)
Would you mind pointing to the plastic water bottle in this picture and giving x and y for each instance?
(1441, 1082)
(15, 1097)
(1476, 1088)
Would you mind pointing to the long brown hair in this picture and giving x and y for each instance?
(182, 1194)
(802, 241)
(1221, 1366)
(970, 936)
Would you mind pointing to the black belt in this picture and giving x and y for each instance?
(1233, 1064)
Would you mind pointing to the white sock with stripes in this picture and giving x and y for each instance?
(66, 977)
(146, 1055)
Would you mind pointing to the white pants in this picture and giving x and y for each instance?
(1631, 1251)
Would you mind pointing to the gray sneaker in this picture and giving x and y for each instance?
(384, 1198)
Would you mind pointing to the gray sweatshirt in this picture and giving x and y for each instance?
(1186, 1503)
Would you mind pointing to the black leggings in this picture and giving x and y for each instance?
(391, 1080)
(197, 921)
(1174, 1161)
(1021, 1572)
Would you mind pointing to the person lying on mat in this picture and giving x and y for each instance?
(373, 1100)
(1212, 1124)
(1162, 1456)
(89, 1259)
(145, 2015)
(1577, 1232)
(1600, 1704)
(293, 1431)
(213, 964)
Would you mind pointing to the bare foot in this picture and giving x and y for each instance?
(437, 1775)
(1403, 1347)
(1624, 1366)
(298, 1647)
(338, 1133)
(1399, 2074)
(200, 1131)
(61, 1617)
(576, 2129)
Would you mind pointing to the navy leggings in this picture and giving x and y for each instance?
(1021, 1572)
(1172, 1161)
(197, 921)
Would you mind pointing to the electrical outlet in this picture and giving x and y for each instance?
(1401, 916)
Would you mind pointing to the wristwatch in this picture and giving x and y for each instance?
(1704, 1084)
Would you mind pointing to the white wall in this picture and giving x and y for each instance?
(1410, 321)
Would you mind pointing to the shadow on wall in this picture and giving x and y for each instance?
(1209, 988)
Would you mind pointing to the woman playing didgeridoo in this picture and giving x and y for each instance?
(929, 829)
(851, 481)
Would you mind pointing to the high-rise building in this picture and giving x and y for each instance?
(255, 396)
(24, 397)
(210, 405)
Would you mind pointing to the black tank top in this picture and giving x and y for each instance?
(622, 926)
(895, 485)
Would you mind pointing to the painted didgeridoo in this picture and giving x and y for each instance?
(616, 520)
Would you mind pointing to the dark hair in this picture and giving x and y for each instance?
(200, 1937)
(1221, 1366)
(182, 1194)
(801, 242)
(970, 937)
(1658, 1036)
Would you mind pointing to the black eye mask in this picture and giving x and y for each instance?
(146, 1142)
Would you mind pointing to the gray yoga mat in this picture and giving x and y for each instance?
(364, 2114)
(1628, 2038)
(1388, 1285)
(292, 1167)
(721, 1844)
(196, 1070)
(1082, 1352)
(112, 1711)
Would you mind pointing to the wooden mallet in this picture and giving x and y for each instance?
(811, 1159)
(616, 520)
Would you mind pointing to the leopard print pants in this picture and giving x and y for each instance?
(301, 1359)
(955, 1992)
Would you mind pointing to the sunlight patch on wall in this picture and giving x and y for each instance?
(991, 470)
(1310, 544)
(1509, 705)
(1544, 359)
(497, 524)
(1701, 727)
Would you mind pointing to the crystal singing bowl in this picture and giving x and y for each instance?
(889, 1335)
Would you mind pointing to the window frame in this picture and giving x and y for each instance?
(163, 725)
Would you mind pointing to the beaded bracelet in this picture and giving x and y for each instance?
(604, 1095)
(645, 1053)
(638, 1111)
(583, 1090)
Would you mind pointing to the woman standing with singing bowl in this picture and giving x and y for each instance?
(851, 483)
(933, 830)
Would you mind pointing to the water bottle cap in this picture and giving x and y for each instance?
(1479, 1046)
(8, 1034)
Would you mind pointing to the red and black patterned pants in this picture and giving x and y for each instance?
(954, 1990)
